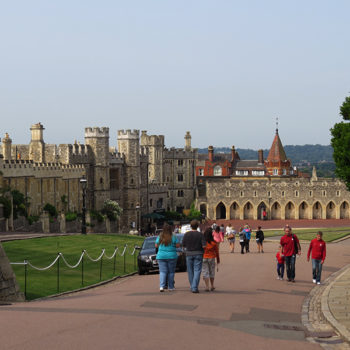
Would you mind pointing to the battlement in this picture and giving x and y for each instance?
(157, 188)
(152, 140)
(96, 132)
(179, 153)
(128, 134)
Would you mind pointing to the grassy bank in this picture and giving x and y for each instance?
(41, 252)
(329, 234)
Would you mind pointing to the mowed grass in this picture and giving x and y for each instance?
(41, 252)
(329, 234)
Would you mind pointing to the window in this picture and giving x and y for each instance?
(242, 194)
(269, 194)
(242, 172)
(150, 203)
(338, 193)
(324, 193)
(310, 193)
(258, 173)
(275, 171)
(296, 193)
(254, 193)
(180, 193)
(217, 170)
(282, 194)
(227, 193)
(180, 177)
(180, 162)
(201, 172)
(284, 171)
(159, 203)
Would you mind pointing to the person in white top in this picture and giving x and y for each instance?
(231, 236)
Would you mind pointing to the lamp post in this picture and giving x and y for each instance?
(83, 183)
(137, 218)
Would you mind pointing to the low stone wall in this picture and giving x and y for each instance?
(9, 289)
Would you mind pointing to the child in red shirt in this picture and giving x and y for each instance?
(280, 264)
(317, 249)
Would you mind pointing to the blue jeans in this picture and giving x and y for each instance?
(280, 270)
(290, 267)
(167, 272)
(194, 269)
(316, 269)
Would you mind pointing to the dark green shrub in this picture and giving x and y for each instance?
(96, 215)
(7, 206)
(51, 210)
(71, 216)
(33, 218)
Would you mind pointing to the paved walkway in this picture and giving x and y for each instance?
(250, 309)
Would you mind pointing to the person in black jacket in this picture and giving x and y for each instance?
(260, 239)
(194, 244)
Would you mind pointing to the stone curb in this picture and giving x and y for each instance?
(325, 307)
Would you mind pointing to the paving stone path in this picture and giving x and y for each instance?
(250, 309)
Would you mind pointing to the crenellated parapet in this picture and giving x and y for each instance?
(157, 188)
(96, 132)
(151, 140)
(128, 134)
(181, 153)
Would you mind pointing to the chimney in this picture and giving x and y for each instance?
(211, 153)
(233, 153)
(261, 156)
(188, 146)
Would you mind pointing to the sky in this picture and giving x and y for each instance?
(223, 70)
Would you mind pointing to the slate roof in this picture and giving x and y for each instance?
(245, 164)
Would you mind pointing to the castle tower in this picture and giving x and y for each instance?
(6, 147)
(155, 146)
(37, 144)
(97, 142)
(188, 138)
(277, 163)
(129, 147)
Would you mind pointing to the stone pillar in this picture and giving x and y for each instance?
(6, 147)
(108, 225)
(63, 228)
(324, 211)
(241, 212)
(45, 221)
(9, 289)
(283, 212)
(337, 211)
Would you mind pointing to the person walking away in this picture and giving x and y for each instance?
(317, 249)
(211, 252)
(222, 229)
(242, 239)
(194, 244)
(231, 237)
(248, 234)
(280, 264)
(290, 248)
(259, 236)
(166, 243)
(228, 230)
(218, 236)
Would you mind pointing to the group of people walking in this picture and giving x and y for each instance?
(203, 256)
(290, 248)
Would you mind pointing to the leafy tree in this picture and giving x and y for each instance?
(194, 213)
(7, 206)
(19, 204)
(112, 210)
(51, 210)
(341, 144)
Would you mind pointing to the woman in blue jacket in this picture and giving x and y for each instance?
(167, 257)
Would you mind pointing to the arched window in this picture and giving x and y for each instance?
(217, 170)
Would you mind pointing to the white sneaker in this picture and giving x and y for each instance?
(313, 281)
(318, 282)
(278, 278)
(161, 289)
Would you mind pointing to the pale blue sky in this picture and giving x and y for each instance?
(222, 69)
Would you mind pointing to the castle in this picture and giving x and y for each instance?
(144, 176)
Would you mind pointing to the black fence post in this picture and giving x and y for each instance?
(101, 267)
(25, 278)
(134, 258)
(82, 268)
(124, 258)
(115, 257)
(58, 273)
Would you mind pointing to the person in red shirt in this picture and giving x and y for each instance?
(290, 248)
(211, 252)
(280, 264)
(317, 249)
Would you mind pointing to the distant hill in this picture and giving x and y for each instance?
(304, 157)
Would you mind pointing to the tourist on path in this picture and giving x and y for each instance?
(194, 244)
(211, 252)
(231, 237)
(166, 243)
(259, 236)
(218, 235)
(317, 249)
(242, 239)
(290, 248)
(280, 264)
(248, 234)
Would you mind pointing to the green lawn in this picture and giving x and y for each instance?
(41, 252)
(329, 234)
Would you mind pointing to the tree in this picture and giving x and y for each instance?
(112, 210)
(341, 144)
